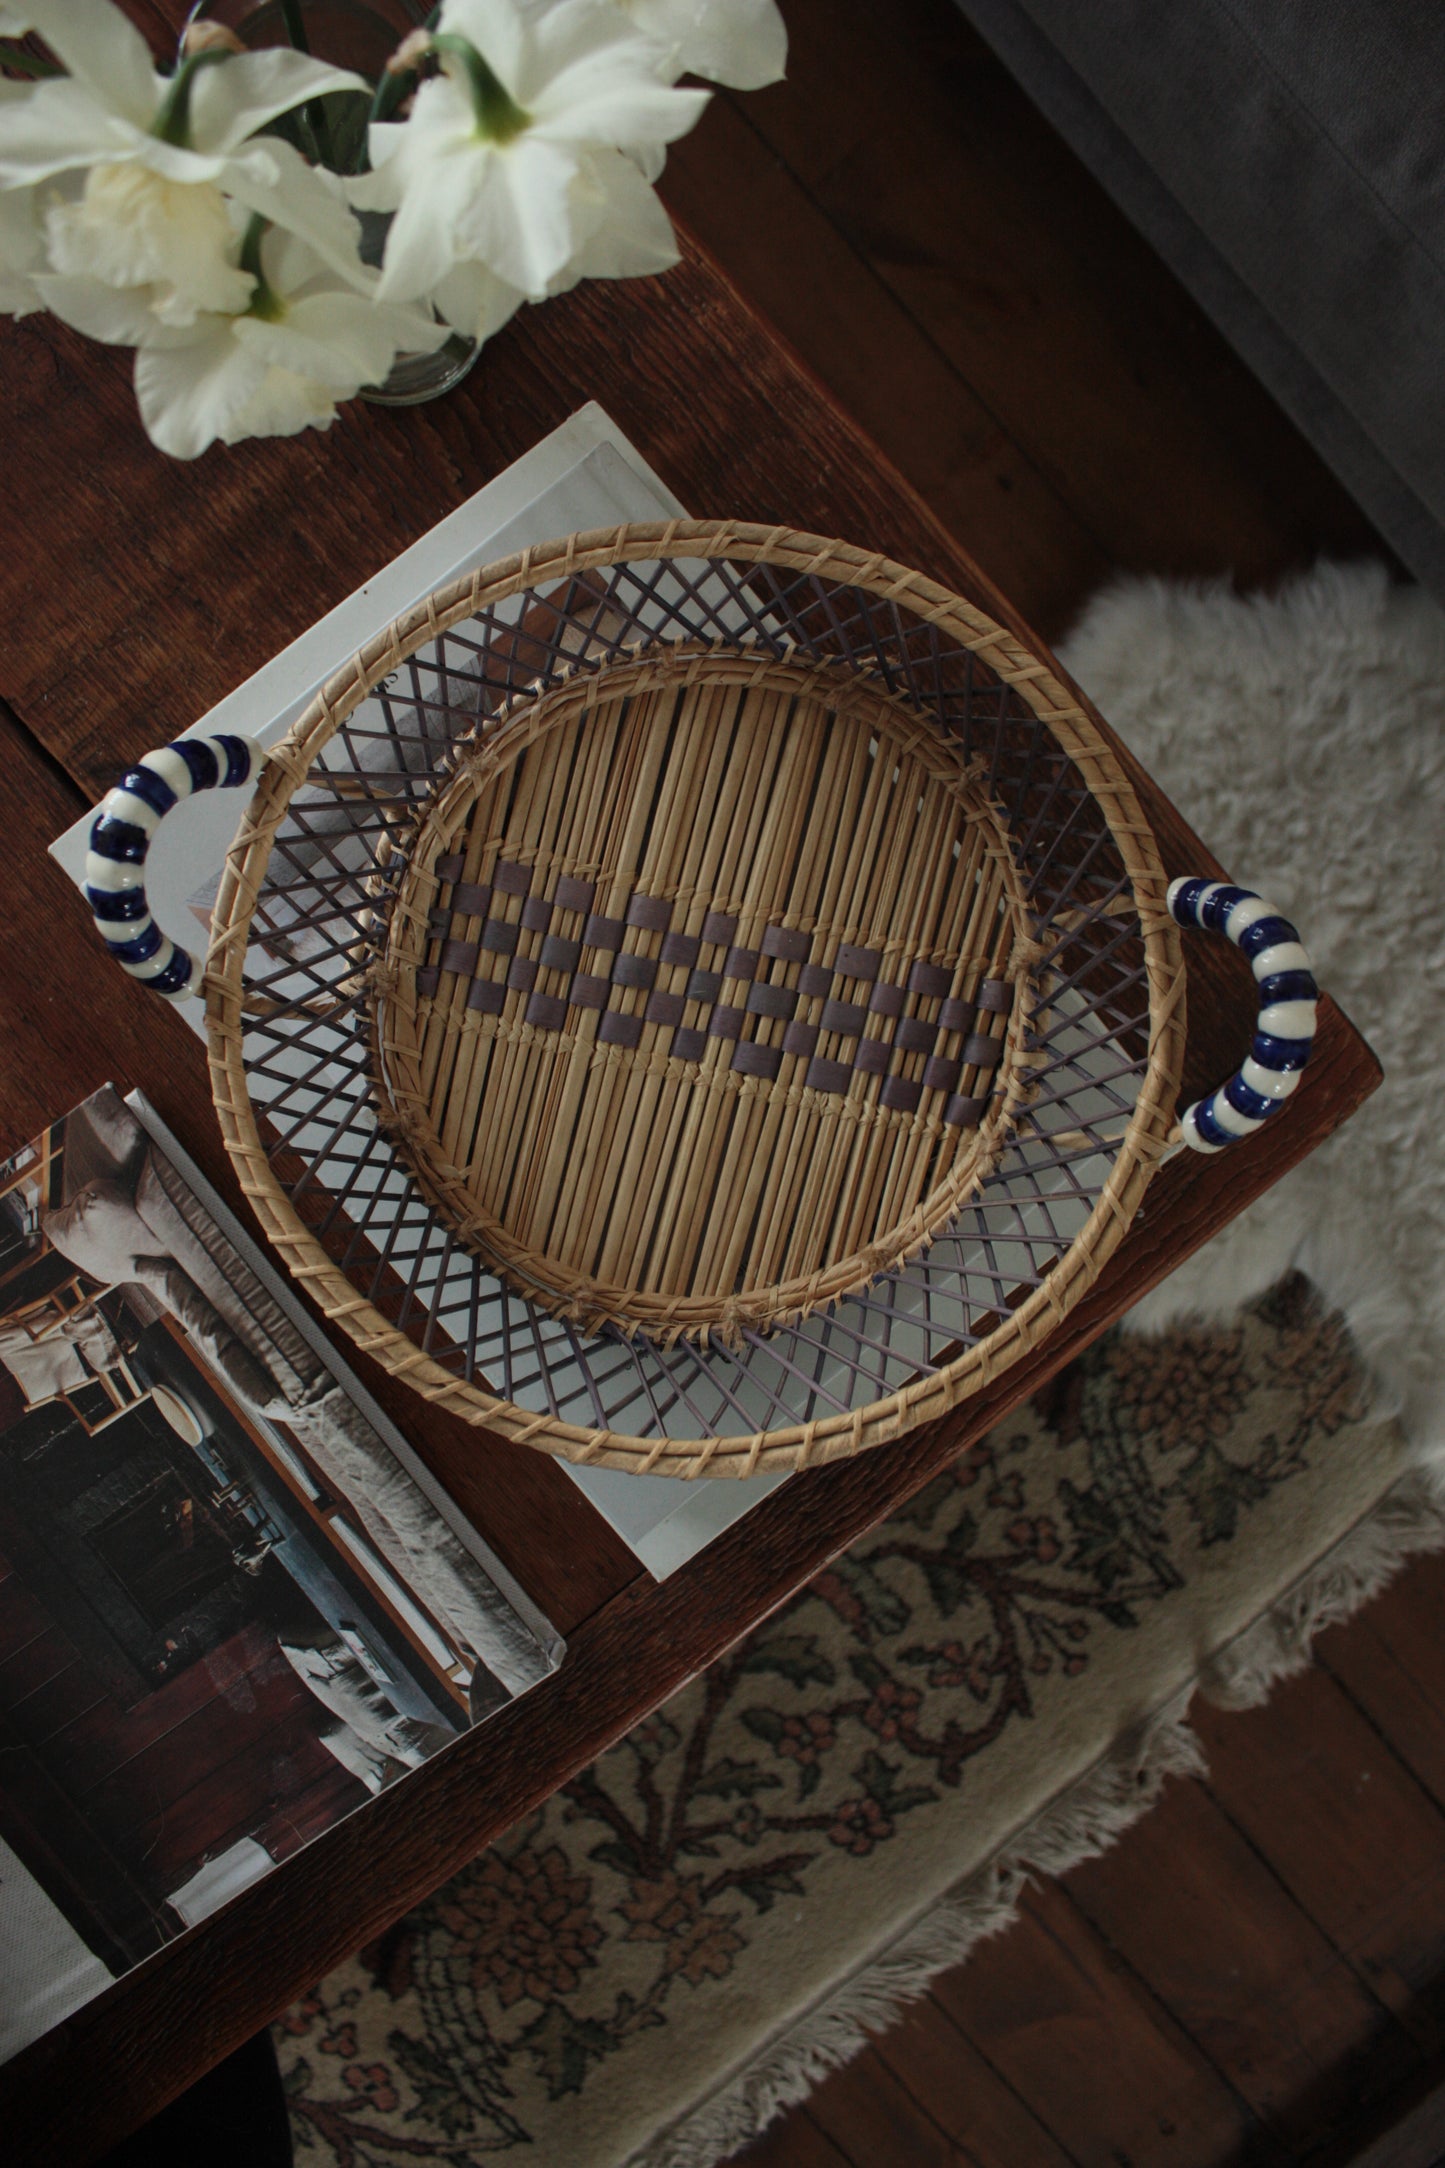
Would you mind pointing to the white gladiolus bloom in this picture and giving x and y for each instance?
(306, 342)
(21, 255)
(21, 252)
(135, 228)
(486, 170)
(633, 240)
(743, 43)
(139, 162)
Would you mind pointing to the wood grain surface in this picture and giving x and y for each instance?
(136, 592)
(184, 2008)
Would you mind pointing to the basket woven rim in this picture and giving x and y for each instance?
(796, 1445)
(591, 1303)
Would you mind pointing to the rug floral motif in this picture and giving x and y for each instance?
(617, 1953)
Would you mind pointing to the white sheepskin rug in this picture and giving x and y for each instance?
(1303, 734)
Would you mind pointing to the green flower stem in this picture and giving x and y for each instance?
(14, 60)
(500, 119)
(295, 23)
(391, 90)
(294, 18)
(173, 122)
(389, 93)
(265, 301)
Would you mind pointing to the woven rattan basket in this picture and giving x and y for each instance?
(693, 998)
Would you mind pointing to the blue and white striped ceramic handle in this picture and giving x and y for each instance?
(120, 837)
(1285, 1027)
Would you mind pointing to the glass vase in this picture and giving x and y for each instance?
(331, 131)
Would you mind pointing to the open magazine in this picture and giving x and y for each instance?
(233, 1604)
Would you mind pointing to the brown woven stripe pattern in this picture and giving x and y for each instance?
(496, 958)
(695, 997)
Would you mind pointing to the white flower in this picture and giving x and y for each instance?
(306, 342)
(743, 43)
(138, 163)
(135, 228)
(634, 239)
(21, 254)
(495, 166)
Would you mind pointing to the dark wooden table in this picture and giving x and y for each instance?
(136, 593)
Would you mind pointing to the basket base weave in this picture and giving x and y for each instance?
(699, 993)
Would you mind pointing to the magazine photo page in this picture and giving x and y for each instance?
(233, 1605)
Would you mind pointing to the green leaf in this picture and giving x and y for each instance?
(629, 2015)
(453, 2094)
(614, 1852)
(348, 113)
(729, 1779)
(923, 1511)
(810, 1776)
(764, 1724)
(773, 1882)
(950, 1584)
(563, 2045)
(699, 1846)
(298, 2078)
(1101, 1545)
(880, 1780)
(867, 1670)
(795, 1657)
(654, 1738)
(877, 1777)
(883, 1609)
(963, 1536)
(912, 1795)
(1118, 1614)
(949, 1573)
(1215, 1488)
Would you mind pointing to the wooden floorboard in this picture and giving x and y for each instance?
(1257, 1971)
(1091, 2050)
(966, 288)
(871, 2115)
(884, 368)
(797, 2143)
(1254, 1981)
(1361, 1848)
(930, 2054)
(1390, 1662)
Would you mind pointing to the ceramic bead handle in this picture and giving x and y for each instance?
(1285, 1027)
(120, 837)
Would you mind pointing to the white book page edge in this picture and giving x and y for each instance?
(49, 1971)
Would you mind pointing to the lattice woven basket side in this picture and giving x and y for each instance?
(793, 1444)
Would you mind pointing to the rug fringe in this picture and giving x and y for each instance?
(1409, 1518)
(1084, 1820)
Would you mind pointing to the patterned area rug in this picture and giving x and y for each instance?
(683, 1939)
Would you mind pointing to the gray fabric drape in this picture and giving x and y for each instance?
(1287, 159)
